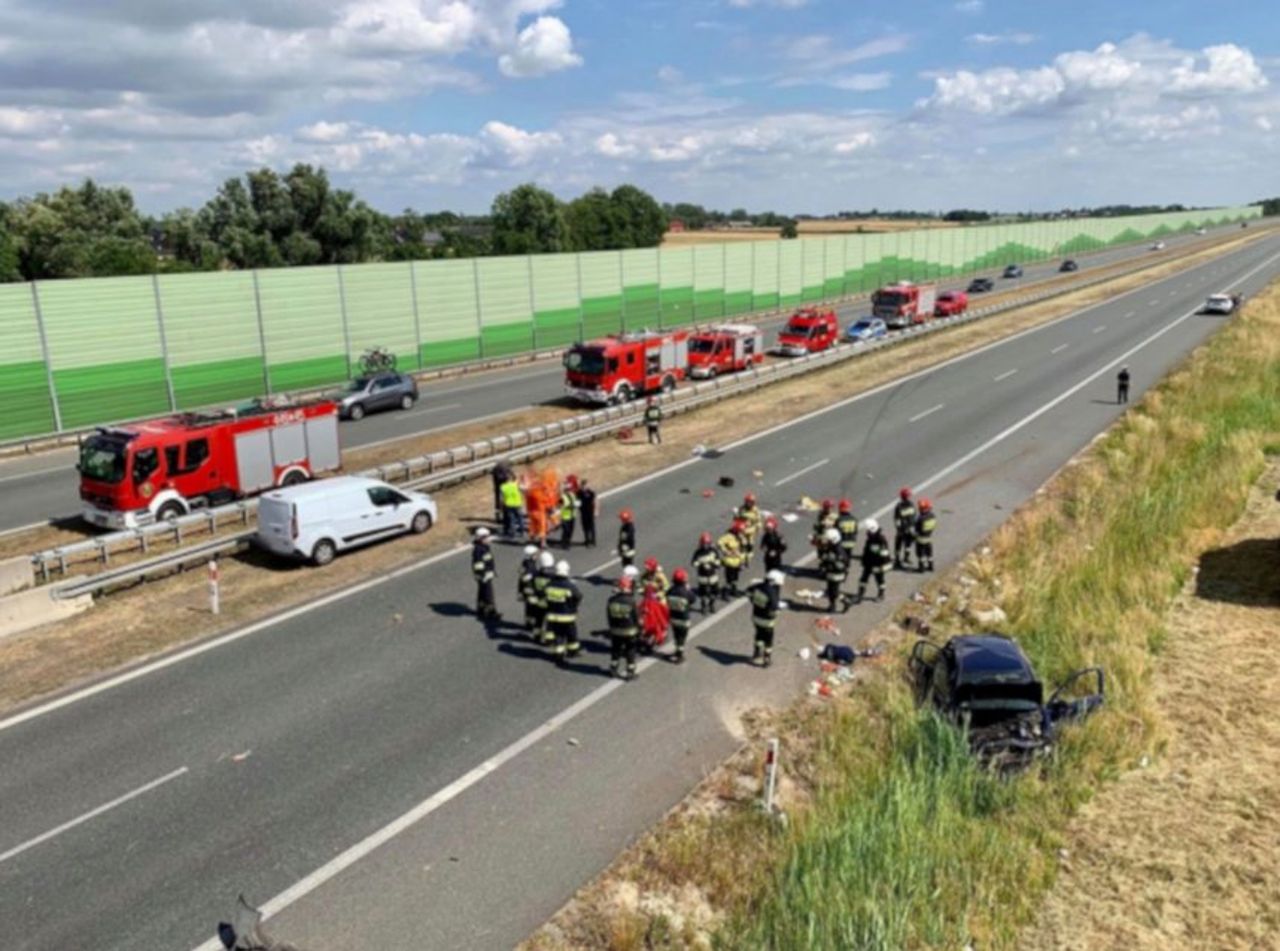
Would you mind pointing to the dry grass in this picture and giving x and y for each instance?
(870, 225)
(1186, 852)
(132, 625)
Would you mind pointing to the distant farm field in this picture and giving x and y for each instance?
(807, 229)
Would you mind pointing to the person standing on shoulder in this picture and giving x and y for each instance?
(679, 604)
(826, 519)
(528, 572)
(766, 601)
(588, 509)
(748, 514)
(568, 515)
(847, 526)
(730, 547)
(512, 507)
(875, 559)
(546, 570)
(563, 598)
(926, 524)
(835, 570)
(706, 562)
(653, 421)
(1122, 385)
(904, 528)
(773, 545)
(483, 569)
(653, 575)
(624, 629)
(501, 472)
(627, 538)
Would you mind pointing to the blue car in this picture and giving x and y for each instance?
(868, 328)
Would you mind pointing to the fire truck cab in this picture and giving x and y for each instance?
(903, 304)
(144, 472)
(726, 348)
(621, 367)
(808, 331)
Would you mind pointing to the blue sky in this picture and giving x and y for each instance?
(792, 105)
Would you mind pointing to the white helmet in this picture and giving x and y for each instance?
(631, 571)
(546, 560)
(871, 525)
(530, 550)
(562, 569)
(482, 532)
(832, 535)
(775, 577)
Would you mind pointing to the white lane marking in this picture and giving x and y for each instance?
(91, 814)
(1098, 329)
(929, 412)
(1153, 303)
(599, 568)
(1060, 348)
(1004, 376)
(805, 471)
(26, 528)
(428, 409)
(235, 635)
(435, 429)
(34, 474)
(346, 859)
(1129, 314)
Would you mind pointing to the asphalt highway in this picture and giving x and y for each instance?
(383, 772)
(43, 487)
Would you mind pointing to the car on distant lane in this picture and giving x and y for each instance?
(1013, 270)
(868, 328)
(1068, 265)
(379, 391)
(980, 285)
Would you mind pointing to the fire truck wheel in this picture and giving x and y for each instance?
(356, 412)
(421, 522)
(623, 394)
(711, 373)
(323, 553)
(406, 402)
(296, 477)
(170, 510)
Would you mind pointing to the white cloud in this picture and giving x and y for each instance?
(972, 7)
(520, 146)
(1102, 68)
(1263, 123)
(679, 151)
(999, 91)
(855, 143)
(819, 52)
(545, 46)
(28, 122)
(1229, 69)
(610, 146)
(324, 131)
(670, 74)
(850, 82)
(784, 4)
(408, 26)
(1008, 38)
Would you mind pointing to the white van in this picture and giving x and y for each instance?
(318, 519)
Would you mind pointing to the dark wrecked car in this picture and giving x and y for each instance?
(985, 684)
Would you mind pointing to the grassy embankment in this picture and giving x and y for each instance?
(897, 840)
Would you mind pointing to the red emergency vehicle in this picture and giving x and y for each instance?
(726, 348)
(163, 468)
(620, 367)
(808, 331)
(951, 303)
(903, 304)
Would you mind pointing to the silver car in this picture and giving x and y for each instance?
(369, 394)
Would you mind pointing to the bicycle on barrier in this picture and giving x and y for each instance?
(377, 360)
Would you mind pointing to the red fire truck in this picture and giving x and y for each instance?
(620, 367)
(163, 468)
(808, 331)
(903, 304)
(726, 348)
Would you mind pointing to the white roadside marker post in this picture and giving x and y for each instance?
(771, 775)
(214, 605)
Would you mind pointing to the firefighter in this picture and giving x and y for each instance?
(546, 569)
(773, 545)
(653, 421)
(529, 571)
(1122, 385)
(706, 562)
(624, 629)
(730, 548)
(835, 569)
(749, 514)
(904, 528)
(926, 523)
(588, 509)
(653, 575)
(482, 569)
(766, 601)
(875, 558)
(627, 538)
(568, 515)
(679, 604)
(563, 598)
(847, 526)
(826, 519)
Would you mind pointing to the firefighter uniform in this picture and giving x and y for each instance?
(563, 598)
(774, 546)
(835, 571)
(653, 422)
(926, 524)
(826, 519)
(904, 529)
(659, 581)
(706, 563)
(541, 580)
(730, 548)
(679, 604)
(847, 526)
(484, 571)
(627, 543)
(532, 610)
(624, 632)
(749, 514)
(875, 558)
(766, 601)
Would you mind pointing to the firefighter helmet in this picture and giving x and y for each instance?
(546, 560)
(871, 525)
(846, 506)
(530, 550)
(482, 533)
(704, 538)
(775, 577)
(651, 564)
(625, 515)
(925, 505)
(904, 493)
(562, 569)
(679, 576)
(832, 535)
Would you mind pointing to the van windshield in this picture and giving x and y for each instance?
(889, 299)
(585, 360)
(702, 345)
(102, 459)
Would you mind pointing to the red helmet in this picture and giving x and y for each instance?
(770, 522)
(749, 499)
(828, 504)
(625, 515)
(738, 525)
(680, 576)
(704, 538)
(904, 493)
(846, 506)
(925, 505)
(651, 564)
(624, 583)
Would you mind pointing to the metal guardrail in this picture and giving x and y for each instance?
(459, 464)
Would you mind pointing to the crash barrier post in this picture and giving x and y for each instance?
(214, 603)
(770, 775)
